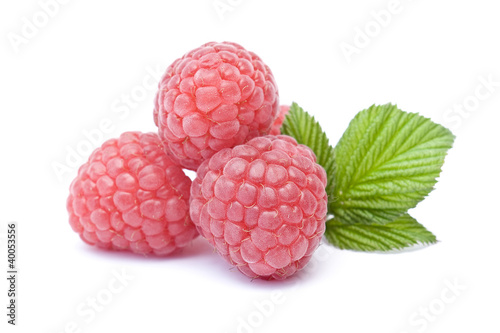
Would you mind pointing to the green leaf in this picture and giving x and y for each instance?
(307, 131)
(386, 162)
(403, 232)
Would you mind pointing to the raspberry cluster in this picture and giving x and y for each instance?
(216, 96)
(130, 195)
(259, 199)
(262, 205)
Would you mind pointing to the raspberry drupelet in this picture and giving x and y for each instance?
(276, 128)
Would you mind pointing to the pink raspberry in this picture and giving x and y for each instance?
(216, 96)
(131, 196)
(262, 205)
(276, 127)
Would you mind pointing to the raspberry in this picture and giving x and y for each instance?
(216, 96)
(131, 196)
(262, 205)
(276, 127)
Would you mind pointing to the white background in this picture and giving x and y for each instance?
(80, 65)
